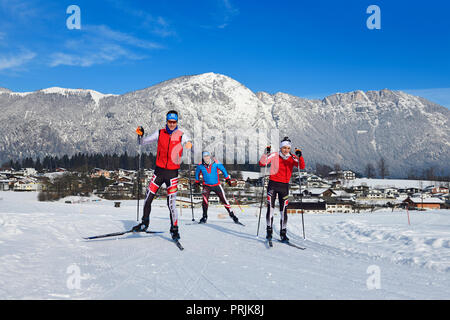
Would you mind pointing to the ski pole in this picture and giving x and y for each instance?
(262, 198)
(190, 191)
(237, 202)
(301, 197)
(407, 211)
(139, 178)
(140, 133)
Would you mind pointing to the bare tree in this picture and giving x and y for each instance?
(337, 167)
(412, 174)
(323, 170)
(430, 174)
(370, 170)
(383, 168)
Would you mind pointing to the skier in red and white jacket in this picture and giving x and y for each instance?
(282, 164)
(171, 141)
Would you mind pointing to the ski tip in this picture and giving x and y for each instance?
(178, 244)
(269, 243)
(292, 245)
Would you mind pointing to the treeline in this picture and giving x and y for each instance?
(380, 169)
(84, 162)
(323, 170)
(70, 185)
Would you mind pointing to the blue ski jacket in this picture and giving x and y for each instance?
(210, 173)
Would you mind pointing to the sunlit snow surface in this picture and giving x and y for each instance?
(43, 254)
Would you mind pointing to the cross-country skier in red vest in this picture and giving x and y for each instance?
(171, 140)
(282, 164)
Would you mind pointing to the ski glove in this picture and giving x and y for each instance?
(228, 181)
(140, 131)
(268, 149)
(298, 152)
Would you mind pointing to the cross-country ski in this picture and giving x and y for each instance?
(178, 244)
(116, 234)
(291, 244)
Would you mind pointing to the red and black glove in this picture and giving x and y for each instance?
(298, 152)
(140, 131)
(268, 148)
(228, 181)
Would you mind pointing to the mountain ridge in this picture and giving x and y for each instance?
(350, 129)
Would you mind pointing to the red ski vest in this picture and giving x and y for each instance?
(170, 150)
(281, 170)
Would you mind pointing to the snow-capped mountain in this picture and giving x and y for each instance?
(350, 129)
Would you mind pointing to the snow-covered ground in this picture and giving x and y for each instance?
(394, 183)
(348, 256)
(251, 175)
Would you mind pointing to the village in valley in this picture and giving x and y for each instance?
(336, 192)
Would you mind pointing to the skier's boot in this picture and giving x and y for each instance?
(174, 233)
(283, 236)
(269, 233)
(203, 219)
(235, 219)
(141, 227)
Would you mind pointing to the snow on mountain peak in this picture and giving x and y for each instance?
(357, 96)
(95, 95)
(204, 93)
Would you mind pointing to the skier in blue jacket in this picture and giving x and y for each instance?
(209, 169)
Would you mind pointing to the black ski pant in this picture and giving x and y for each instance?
(170, 179)
(220, 193)
(281, 190)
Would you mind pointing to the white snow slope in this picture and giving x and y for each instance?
(42, 253)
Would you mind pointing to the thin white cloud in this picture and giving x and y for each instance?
(229, 12)
(93, 56)
(105, 32)
(20, 9)
(14, 61)
(163, 28)
(155, 24)
(222, 15)
(99, 44)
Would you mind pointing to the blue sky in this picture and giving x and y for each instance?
(306, 48)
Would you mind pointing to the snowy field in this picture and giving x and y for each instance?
(394, 183)
(348, 256)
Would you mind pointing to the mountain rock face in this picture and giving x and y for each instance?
(349, 129)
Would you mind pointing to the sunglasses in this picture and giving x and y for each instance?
(172, 122)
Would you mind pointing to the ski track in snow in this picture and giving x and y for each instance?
(222, 260)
